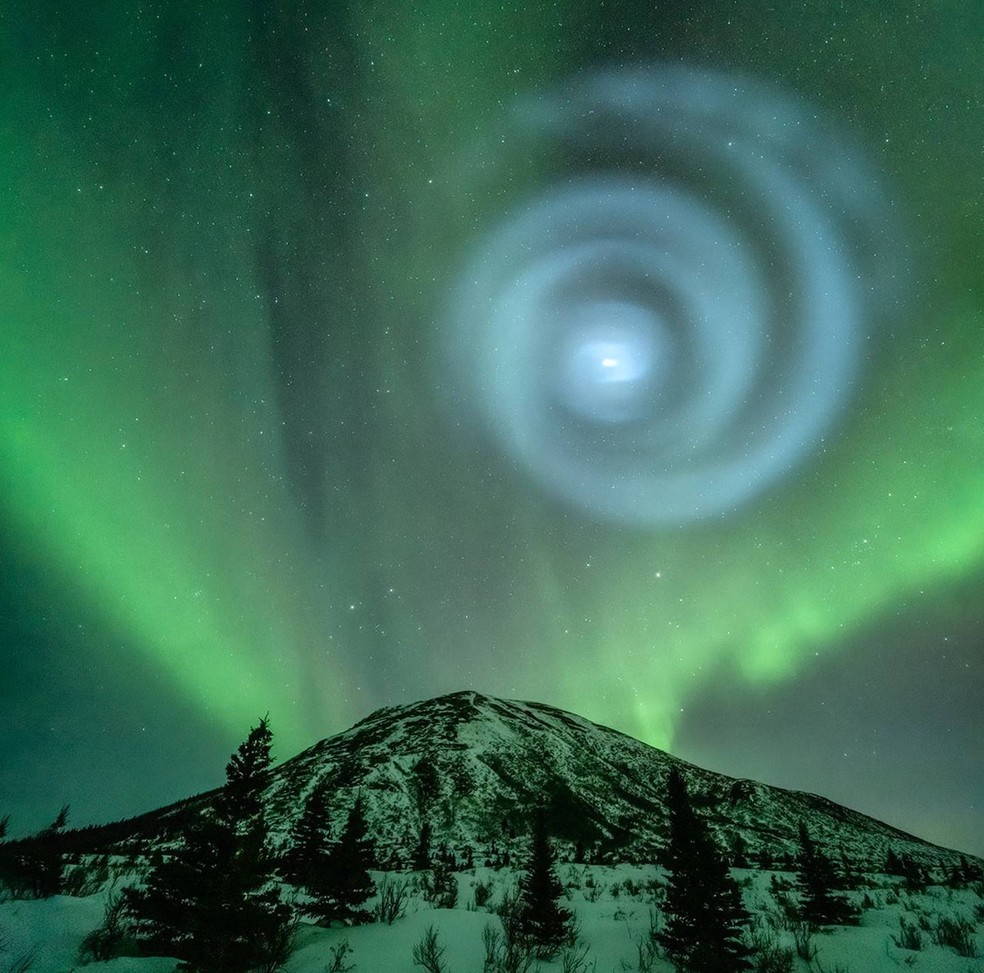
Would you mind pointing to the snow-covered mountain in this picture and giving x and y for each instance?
(476, 768)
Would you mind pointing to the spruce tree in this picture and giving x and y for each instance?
(540, 919)
(422, 855)
(35, 867)
(703, 908)
(309, 842)
(817, 878)
(212, 901)
(341, 888)
(46, 859)
(968, 871)
(916, 878)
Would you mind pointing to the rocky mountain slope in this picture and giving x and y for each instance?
(476, 768)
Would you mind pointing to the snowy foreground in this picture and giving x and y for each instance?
(614, 912)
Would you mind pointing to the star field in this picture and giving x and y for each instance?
(353, 355)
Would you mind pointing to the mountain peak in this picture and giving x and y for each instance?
(476, 768)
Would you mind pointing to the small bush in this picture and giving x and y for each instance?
(909, 936)
(86, 878)
(574, 959)
(803, 938)
(779, 885)
(647, 952)
(869, 901)
(956, 933)
(790, 907)
(392, 903)
(429, 952)
(593, 891)
(104, 942)
(483, 894)
(656, 890)
(776, 959)
(770, 956)
(506, 952)
(440, 887)
(277, 945)
(338, 954)
(785, 914)
(20, 964)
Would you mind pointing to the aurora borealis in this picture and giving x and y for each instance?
(244, 469)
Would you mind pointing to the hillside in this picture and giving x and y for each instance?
(474, 767)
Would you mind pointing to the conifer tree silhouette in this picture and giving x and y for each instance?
(309, 843)
(47, 863)
(540, 919)
(704, 911)
(341, 888)
(34, 867)
(422, 854)
(817, 878)
(212, 901)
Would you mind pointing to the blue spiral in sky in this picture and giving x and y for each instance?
(674, 317)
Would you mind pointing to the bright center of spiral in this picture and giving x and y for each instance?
(610, 363)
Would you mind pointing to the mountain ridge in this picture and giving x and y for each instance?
(475, 767)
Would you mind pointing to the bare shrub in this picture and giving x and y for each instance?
(104, 942)
(593, 892)
(806, 950)
(440, 887)
(574, 959)
(956, 933)
(339, 953)
(392, 902)
(278, 945)
(770, 956)
(86, 878)
(909, 937)
(505, 952)
(20, 964)
(429, 952)
(483, 894)
(646, 954)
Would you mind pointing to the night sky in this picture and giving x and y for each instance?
(623, 357)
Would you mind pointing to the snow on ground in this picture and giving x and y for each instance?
(613, 918)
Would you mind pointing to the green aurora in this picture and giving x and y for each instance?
(312, 548)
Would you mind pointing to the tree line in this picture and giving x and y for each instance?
(215, 898)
